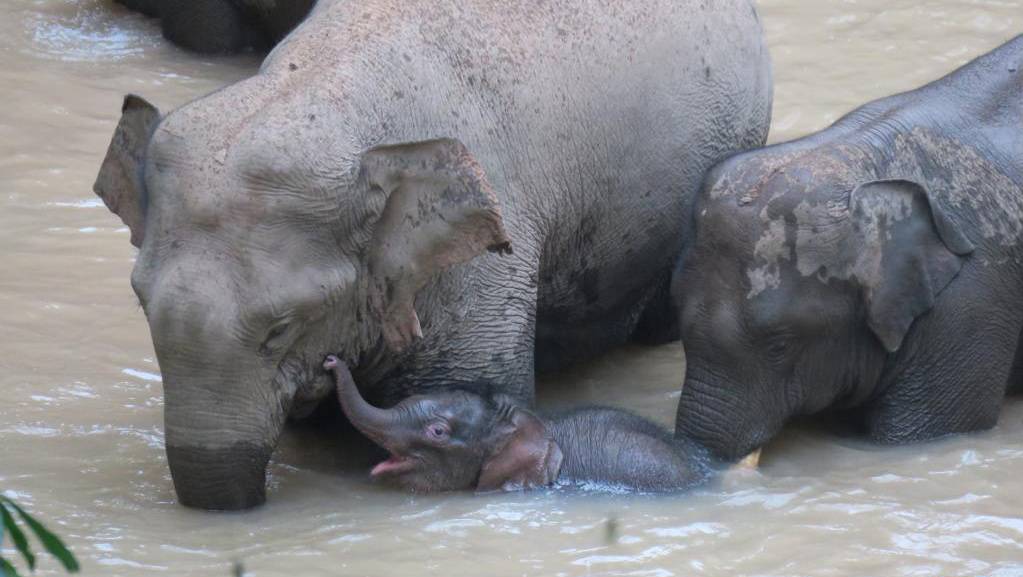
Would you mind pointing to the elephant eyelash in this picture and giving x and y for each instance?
(777, 349)
(276, 332)
(443, 424)
(782, 348)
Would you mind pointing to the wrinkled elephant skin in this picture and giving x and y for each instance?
(437, 189)
(871, 269)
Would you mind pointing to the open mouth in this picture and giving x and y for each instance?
(394, 465)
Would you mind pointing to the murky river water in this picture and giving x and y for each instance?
(80, 396)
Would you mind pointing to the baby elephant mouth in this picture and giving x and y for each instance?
(393, 466)
(379, 425)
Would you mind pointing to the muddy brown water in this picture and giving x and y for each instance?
(80, 394)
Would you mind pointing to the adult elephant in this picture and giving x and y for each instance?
(872, 268)
(337, 200)
(224, 26)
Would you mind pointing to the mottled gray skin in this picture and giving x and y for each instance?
(873, 268)
(224, 26)
(469, 439)
(312, 209)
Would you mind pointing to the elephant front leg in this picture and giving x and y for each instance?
(939, 387)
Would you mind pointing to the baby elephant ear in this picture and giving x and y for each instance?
(120, 183)
(909, 251)
(524, 456)
(440, 211)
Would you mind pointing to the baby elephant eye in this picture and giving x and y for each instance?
(438, 431)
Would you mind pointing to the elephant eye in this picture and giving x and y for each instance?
(438, 431)
(779, 349)
(273, 338)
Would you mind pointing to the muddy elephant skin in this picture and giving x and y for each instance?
(871, 270)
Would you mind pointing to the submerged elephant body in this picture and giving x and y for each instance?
(873, 268)
(458, 440)
(224, 26)
(338, 201)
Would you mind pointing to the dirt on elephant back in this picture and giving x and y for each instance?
(81, 400)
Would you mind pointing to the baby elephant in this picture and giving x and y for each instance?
(457, 439)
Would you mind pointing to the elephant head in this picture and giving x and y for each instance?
(266, 241)
(806, 274)
(452, 440)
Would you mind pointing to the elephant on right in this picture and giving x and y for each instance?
(873, 269)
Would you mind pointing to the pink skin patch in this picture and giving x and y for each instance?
(394, 464)
(330, 363)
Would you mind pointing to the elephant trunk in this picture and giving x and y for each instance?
(228, 478)
(224, 407)
(219, 437)
(380, 425)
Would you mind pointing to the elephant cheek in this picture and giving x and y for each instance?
(228, 478)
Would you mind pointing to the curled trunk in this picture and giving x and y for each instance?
(378, 424)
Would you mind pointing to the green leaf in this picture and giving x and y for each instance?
(51, 542)
(2, 501)
(7, 570)
(18, 537)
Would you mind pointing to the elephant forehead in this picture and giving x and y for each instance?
(821, 228)
(804, 214)
(810, 236)
(771, 248)
(200, 289)
(234, 157)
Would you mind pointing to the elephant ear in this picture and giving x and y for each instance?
(440, 211)
(909, 251)
(524, 454)
(120, 183)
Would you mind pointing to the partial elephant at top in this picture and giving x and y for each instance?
(449, 193)
(224, 26)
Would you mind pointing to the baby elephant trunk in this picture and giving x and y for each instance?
(380, 425)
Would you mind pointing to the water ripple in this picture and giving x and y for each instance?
(90, 32)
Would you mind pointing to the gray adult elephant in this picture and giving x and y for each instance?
(337, 201)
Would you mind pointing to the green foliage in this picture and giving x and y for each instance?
(9, 513)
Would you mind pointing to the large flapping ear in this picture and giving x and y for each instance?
(440, 211)
(120, 183)
(910, 250)
(524, 455)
